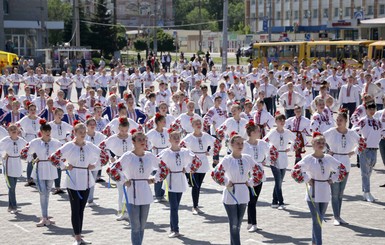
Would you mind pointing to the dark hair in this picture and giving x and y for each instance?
(136, 134)
(158, 117)
(151, 95)
(280, 117)
(44, 126)
(123, 122)
(251, 127)
(343, 113)
(370, 105)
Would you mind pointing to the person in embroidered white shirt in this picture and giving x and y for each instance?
(290, 99)
(371, 129)
(64, 82)
(44, 172)
(163, 95)
(205, 101)
(223, 94)
(318, 171)
(81, 157)
(78, 78)
(321, 120)
(179, 161)
(195, 95)
(335, 82)
(148, 77)
(262, 118)
(234, 123)
(270, 92)
(259, 152)
(252, 78)
(343, 143)
(371, 88)
(102, 81)
(360, 111)
(49, 81)
(214, 79)
(280, 138)
(150, 106)
(185, 119)
(349, 96)
(380, 115)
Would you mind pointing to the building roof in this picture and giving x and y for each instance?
(373, 22)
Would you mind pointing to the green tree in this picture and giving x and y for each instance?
(103, 34)
(85, 33)
(58, 11)
(194, 17)
(236, 16)
(165, 41)
(140, 44)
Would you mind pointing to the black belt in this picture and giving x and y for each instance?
(281, 151)
(88, 174)
(372, 149)
(341, 154)
(173, 172)
(239, 183)
(13, 156)
(200, 152)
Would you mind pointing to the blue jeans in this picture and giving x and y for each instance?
(382, 150)
(92, 189)
(44, 187)
(137, 94)
(320, 207)
(12, 193)
(159, 192)
(58, 180)
(16, 89)
(121, 90)
(368, 159)
(278, 174)
(337, 193)
(174, 200)
(235, 214)
(29, 171)
(79, 92)
(334, 93)
(5, 88)
(138, 217)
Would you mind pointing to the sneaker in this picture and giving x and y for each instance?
(83, 241)
(368, 197)
(14, 211)
(173, 235)
(122, 217)
(100, 180)
(194, 211)
(249, 226)
(342, 222)
(9, 210)
(42, 222)
(30, 183)
(281, 207)
(365, 196)
(199, 211)
(92, 204)
(253, 228)
(274, 205)
(58, 191)
(371, 197)
(336, 222)
(76, 242)
(157, 200)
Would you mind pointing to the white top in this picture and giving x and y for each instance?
(29, 128)
(281, 141)
(354, 94)
(320, 122)
(264, 118)
(334, 82)
(238, 126)
(237, 171)
(96, 140)
(114, 125)
(138, 170)
(214, 118)
(260, 152)
(3, 133)
(12, 165)
(159, 141)
(176, 161)
(118, 146)
(358, 114)
(185, 121)
(43, 150)
(299, 125)
(342, 144)
(79, 157)
(205, 103)
(78, 79)
(312, 168)
(61, 131)
(201, 147)
(289, 103)
(371, 130)
(380, 115)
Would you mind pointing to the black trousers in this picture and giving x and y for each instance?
(77, 208)
(251, 206)
(269, 105)
(196, 187)
(351, 107)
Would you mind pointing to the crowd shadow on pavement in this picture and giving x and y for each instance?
(54, 230)
(20, 217)
(162, 228)
(277, 238)
(190, 241)
(365, 231)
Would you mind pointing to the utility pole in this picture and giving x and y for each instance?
(76, 23)
(270, 20)
(155, 29)
(224, 35)
(200, 26)
(2, 39)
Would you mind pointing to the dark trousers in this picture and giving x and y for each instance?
(275, 104)
(79, 92)
(174, 200)
(104, 93)
(159, 192)
(213, 89)
(235, 214)
(269, 104)
(196, 187)
(65, 93)
(58, 180)
(252, 86)
(50, 92)
(121, 90)
(278, 174)
(251, 206)
(351, 108)
(307, 114)
(77, 209)
(382, 150)
(289, 113)
(380, 106)
(29, 171)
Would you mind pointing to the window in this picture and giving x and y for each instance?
(347, 11)
(260, 2)
(326, 13)
(252, 2)
(278, 1)
(336, 12)
(315, 13)
(287, 14)
(278, 17)
(296, 15)
(382, 9)
(370, 10)
(6, 7)
(306, 14)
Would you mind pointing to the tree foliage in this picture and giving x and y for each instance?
(58, 11)
(165, 42)
(85, 33)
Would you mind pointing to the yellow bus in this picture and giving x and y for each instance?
(6, 60)
(377, 50)
(352, 52)
(280, 52)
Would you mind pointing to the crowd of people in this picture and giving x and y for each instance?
(146, 128)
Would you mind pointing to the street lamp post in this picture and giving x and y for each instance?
(155, 28)
(225, 35)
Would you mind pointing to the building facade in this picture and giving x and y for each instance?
(26, 27)
(338, 17)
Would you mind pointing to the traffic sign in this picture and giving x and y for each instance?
(265, 25)
(307, 36)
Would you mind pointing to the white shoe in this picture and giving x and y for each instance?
(274, 205)
(14, 211)
(371, 197)
(336, 222)
(368, 196)
(342, 222)
(122, 217)
(249, 226)
(195, 211)
(174, 234)
(157, 200)
(85, 242)
(92, 204)
(365, 196)
(76, 242)
(281, 207)
(253, 228)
